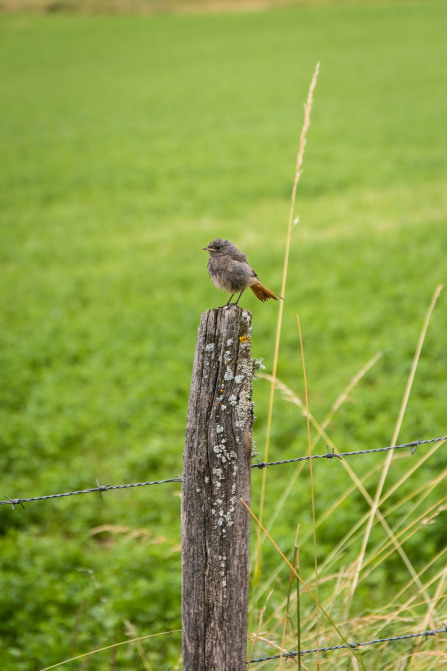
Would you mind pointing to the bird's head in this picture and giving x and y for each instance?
(219, 246)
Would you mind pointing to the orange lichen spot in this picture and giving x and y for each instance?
(244, 338)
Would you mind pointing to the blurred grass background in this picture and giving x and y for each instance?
(127, 143)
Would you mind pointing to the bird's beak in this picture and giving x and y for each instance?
(208, 249)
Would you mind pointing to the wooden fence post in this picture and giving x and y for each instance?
(216, 475)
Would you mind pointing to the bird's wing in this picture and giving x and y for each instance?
(240, 268)
(237, 255)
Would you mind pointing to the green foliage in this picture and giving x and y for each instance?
(60, 606)
(127, 143)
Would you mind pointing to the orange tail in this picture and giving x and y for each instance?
(261, 292)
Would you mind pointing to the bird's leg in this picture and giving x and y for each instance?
(239, 296)
(227, 303)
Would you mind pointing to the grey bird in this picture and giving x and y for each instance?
(230, 271)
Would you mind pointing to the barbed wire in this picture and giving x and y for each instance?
(99, 488)
(339, 455)
(260, 464)
(354, 645)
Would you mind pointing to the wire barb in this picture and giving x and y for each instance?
(100, 489)
(333, 454)
(15, 502)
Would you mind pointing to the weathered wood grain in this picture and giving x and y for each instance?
(216, 474)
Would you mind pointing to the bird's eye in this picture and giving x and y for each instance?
(216, 246)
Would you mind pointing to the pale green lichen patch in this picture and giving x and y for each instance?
(229, 375)
(223, 507)
(245, 368)
(244, 409)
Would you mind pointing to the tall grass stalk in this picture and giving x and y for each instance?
(295, 562)
(298, 172)
(314, 526)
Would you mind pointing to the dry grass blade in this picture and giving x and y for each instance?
(412, 598)
(109, 647)
(375, 506)
(295, 563)
(398, 539)
(314, 526)
(255, 637)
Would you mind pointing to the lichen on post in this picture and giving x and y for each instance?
(216, 475)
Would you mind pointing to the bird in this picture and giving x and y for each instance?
(230, 271)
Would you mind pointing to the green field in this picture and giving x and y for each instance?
(127, 144)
